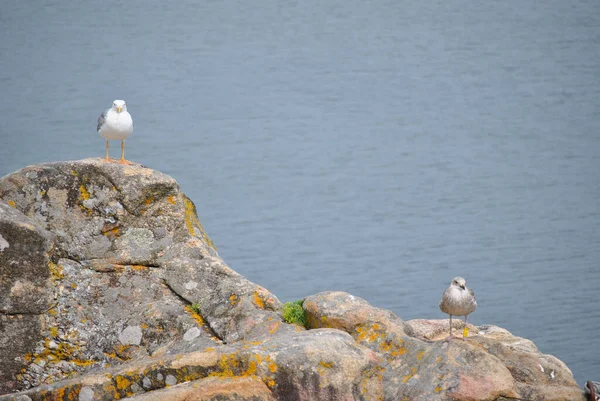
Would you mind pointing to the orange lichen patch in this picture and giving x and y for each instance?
(438, 389)
(139, 267)
(171, 199)
(270, 383)
(323, 367)
(228, 364)
(74, 286)
(199, 320)
(233, 299)
(420, 355)
(410, 375)
(149, 200)
(54, 331)
(209, 349)
(271, 365)
(52, 312)
(191, 221)
(11, 203)
(258, 300)
(251, 368)
(439, 359)
(369, 333)
(392, 348)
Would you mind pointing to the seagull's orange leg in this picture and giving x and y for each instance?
(123, 161)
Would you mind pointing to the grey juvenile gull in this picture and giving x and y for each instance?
(458, 300)
(116, 123)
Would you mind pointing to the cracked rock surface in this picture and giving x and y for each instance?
(111, 289)
(101, 263)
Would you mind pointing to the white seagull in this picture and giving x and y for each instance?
(458, 300)
(116, 123)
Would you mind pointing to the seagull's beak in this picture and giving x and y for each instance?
(119, 109)
(462, 286)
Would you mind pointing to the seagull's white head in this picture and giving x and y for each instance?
(119, 106)
(459, 282)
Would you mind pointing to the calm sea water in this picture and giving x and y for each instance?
(375, 147)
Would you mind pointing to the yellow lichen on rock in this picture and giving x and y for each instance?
(56, 272)
(420, 354)
(122, 382)
(112, 233)
(83, 193)
(369, 333)
(410, 375)
(199, 320)
(63, 351)
(191, 220)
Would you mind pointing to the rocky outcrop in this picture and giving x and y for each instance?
(491, 364)
(111, 289)
(103, 263)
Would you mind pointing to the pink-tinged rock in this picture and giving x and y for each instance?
(491, 364)
(212, 389)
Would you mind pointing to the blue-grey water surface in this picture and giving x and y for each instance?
(376, 147)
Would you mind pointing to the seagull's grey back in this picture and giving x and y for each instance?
(101, 120)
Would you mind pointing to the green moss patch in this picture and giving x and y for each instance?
(294, 314)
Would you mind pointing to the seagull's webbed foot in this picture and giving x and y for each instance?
(126, 162)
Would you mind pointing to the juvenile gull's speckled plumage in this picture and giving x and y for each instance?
(458, 300)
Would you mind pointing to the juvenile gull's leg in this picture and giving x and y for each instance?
(107, 159)
(466, 329)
